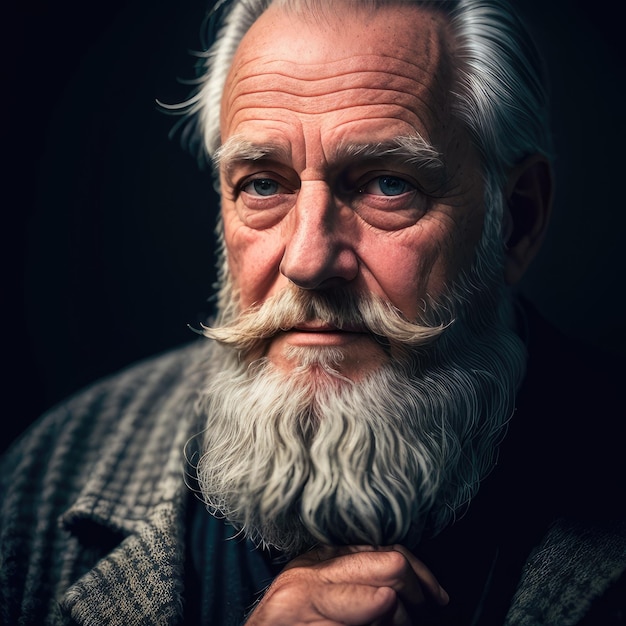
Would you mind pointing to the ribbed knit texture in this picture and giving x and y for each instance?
(92, 501)
(572, 567)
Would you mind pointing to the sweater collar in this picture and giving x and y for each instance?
(136, 494)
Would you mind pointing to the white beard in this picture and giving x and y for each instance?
(308, 456)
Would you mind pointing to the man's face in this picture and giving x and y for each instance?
(329, 173)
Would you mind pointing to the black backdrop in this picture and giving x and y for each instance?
(108, 222)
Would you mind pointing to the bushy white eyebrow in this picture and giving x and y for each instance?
(237, 149)
(412, 150)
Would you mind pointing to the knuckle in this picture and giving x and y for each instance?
(395, 563)
(285, 593)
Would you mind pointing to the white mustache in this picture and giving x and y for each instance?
(339, 308)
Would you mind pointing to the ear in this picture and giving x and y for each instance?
(528, 197)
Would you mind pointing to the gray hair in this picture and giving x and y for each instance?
(500, 95)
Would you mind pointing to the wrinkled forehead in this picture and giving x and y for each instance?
(318, 39)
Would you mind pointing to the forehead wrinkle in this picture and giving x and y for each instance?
(321, 75)
(411, 87)
(345, 97)
(368, 107)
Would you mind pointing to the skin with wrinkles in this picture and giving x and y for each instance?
(307, 210)
(385, 586)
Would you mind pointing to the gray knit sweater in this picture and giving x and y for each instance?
(93, 525)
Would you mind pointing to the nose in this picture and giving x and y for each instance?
(318, 251)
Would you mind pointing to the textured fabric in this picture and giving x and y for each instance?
(574, 564)
(225, 574)
(93, 504)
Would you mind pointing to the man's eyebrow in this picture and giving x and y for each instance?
(238, 150)
(412, 150)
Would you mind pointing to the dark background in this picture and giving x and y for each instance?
(108, 221)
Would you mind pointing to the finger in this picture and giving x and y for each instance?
(355, 604)
(369, 566)
(289, 603)
(406, 574)
(427, 579)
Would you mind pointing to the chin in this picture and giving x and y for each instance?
(334, 363)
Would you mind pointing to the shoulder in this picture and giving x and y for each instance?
(83, 475)
(127, 409)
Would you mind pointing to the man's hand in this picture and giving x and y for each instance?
(358, 585)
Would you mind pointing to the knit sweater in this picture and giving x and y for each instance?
(92, 522)
(93, 514)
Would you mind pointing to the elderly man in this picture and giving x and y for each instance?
(385, 179)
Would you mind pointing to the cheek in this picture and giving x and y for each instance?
(419, 265)
(253, 259)
(407, 275)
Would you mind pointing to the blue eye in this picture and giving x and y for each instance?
(392, 186)
(262, 187)
(386, 186)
